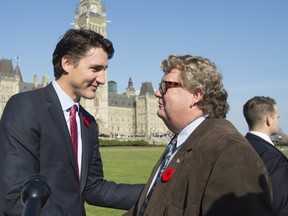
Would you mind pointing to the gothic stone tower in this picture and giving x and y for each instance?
(91, 14)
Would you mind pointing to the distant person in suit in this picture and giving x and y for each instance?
(35, 134)
(214, 170)
(262, 116)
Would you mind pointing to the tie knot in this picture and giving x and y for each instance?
(173, 144)
(174, 140)
(73, 109)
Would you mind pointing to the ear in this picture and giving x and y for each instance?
(66, 64)
(268, 120)
(197, 96)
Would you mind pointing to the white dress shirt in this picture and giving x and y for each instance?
(66, 103)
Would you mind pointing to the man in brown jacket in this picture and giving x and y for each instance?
(214, 170)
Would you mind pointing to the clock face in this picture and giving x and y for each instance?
(94, 8)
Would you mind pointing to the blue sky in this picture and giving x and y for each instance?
(248, 41)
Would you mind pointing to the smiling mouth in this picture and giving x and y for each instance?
(93, 87)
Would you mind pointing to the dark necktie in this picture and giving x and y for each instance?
(73, 133)
(171, 148)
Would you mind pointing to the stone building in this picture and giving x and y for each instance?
(127, 114)
(135, 115)
(11, 82)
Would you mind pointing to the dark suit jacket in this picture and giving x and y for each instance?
(34, 138)
(277, 166)
(216, 173)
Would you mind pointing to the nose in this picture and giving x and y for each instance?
(157, 93)
(101, 77)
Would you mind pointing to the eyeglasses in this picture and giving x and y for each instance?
(165, 85)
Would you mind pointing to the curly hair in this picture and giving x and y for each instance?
(200, 74)
(75, 44)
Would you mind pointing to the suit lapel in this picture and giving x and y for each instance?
(176, 163)
(85, 150)
(55, 110)
(161, 188)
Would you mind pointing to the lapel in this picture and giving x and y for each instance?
(177, 163)
(56, 113)
(161, 188)
(85, 150)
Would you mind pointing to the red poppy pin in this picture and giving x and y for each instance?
(167, 175)
(86, 121)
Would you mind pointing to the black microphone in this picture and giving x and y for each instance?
(35, 191)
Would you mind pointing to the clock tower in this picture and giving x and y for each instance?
(91, 14)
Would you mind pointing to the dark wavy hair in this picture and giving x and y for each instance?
(200, 74)
(75, 44)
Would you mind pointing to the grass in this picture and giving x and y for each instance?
(125, 165)
(128, 165)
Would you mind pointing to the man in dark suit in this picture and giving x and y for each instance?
(214, 170)
(262, 116)
(35, 135)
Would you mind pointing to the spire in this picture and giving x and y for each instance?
(17, 68)
(18, 72)
(130, 91)
(130, 84)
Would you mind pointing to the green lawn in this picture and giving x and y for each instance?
(128, 165)
(125, 165)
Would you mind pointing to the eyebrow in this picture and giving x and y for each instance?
(99, 67)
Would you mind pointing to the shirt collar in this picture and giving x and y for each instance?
(263, 136)
(65, 101)
(185, 132)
